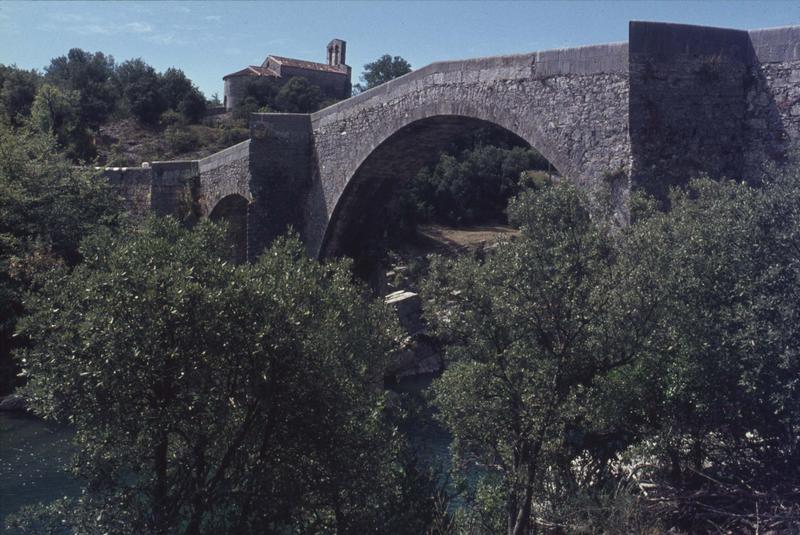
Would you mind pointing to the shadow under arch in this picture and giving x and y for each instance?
(360, 210)
(233, 210)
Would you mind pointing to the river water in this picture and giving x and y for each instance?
(33, 453)
(32, 456)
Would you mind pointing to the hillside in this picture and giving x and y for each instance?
(129, 142)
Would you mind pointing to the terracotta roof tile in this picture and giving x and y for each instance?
(252, 70)
(309, 65)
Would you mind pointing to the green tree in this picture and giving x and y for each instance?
(263, 91)
(298, 95)
(141, 88)
(46, 207)
(92, 75)
(719, 377)
(214, 398)
(56, 112)
(382, 70)
(181, 95)
(17, 91)
(534, 331)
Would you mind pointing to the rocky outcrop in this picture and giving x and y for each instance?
(419, 354)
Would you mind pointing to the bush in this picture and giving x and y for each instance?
(193, 106)
(48, 207)
(141, 88)
(17, 91)
(171, 118)
(232, 135)
(210, 397)
(298, 95)
(181, 140)
(472, 186)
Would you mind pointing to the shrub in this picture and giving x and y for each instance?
(181, 140)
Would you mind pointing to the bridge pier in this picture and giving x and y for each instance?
(280, 167)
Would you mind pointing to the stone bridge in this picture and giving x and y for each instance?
(673, 102)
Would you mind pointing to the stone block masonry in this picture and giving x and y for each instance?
(673, 103)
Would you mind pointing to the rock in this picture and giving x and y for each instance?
(13, 403)
(409, 309)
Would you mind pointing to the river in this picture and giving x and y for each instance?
(32, 456)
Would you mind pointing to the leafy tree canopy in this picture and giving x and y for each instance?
(580, 357)
(215, 398)
(181, 95)
(92, 75)
(382, 70)
(47, 206)
(532, 331)
(298, 95)
(141, 89)
(17, 90)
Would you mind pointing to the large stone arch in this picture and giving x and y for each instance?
(571, 105)
(361, 205)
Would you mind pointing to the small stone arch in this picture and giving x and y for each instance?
(233, 210)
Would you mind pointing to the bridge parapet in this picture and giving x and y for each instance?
(156, 187)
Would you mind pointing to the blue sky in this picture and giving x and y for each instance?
(210, 39)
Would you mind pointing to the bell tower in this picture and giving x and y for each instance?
(336, 52)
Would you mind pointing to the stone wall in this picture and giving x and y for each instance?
(333, 85)
(235, 90)
(173, 182)
(687, 103)
(772, 125)
(163, 188)
(280, 156)
(134, 185)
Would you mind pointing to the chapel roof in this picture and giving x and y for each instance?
(252, 70)
(309, 65)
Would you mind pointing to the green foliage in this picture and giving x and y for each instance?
(262, 91)
(298, 95)
(56, 112)
(84, 91)
(382, 70)
(532, 331)
(92, 76)
(181, 139)
(472, 186)
(193, 106)
(171, 118)
(722, 370)
(266, 94)
(229, 136)
(214, 398)
(17, 91)
(578, 355)
(46, 207)
(181, 95)
(141, 88)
